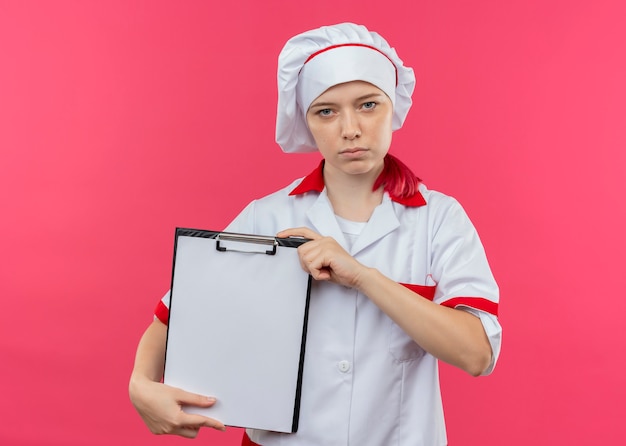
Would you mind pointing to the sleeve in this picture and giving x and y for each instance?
(161, 312)
(243, 223)
(461, 271)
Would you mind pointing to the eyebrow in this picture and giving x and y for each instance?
(360, 98)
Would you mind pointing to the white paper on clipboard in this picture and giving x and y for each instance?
(237, 326)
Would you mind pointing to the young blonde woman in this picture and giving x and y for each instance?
(401, 279)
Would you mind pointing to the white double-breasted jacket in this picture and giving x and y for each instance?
(365, 381)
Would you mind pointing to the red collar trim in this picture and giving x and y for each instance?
(314, 182)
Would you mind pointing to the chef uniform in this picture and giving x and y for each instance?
(365, 381)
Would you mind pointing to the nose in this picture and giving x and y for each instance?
(350, 128)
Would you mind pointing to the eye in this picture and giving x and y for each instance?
(325, 112)
(369, 105)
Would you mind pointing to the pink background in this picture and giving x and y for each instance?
(120, 120)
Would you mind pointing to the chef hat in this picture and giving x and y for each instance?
(312, 62)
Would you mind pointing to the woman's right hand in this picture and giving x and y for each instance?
(161, 408)
(160, 405)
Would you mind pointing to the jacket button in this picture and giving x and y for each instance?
(343, 366)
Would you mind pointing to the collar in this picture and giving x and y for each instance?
(314, 182)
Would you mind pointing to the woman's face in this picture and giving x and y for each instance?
(351, 125)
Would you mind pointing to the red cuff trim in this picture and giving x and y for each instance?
(427, 292)
(162, 312)
(477, 303)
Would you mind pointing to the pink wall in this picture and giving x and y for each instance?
(120, 120)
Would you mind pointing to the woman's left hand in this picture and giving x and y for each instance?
(324, 259)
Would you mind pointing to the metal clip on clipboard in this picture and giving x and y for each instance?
(245, 238)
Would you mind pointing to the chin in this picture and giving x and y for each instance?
(360, 168)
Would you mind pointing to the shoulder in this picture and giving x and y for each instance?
(437, 201)
(281, 196)
(265, 214)
(443, 210)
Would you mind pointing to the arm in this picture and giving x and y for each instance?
(159, 405)
(454, 336)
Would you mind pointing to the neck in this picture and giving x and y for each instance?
(352, 196)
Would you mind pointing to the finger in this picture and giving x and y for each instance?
(299, 232)
(187, 432)
(313, 263)
(193, 399)
(198, 421)
(321, 274)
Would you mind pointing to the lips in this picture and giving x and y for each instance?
(352, 150)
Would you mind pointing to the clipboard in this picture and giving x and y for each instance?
(237, 326)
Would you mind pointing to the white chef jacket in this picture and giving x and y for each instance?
(365, 381)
